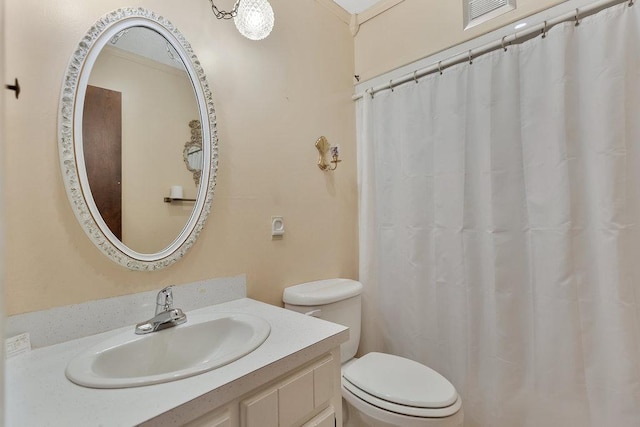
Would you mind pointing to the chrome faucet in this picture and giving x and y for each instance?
(166, 316)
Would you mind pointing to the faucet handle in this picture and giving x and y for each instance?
(164, 300)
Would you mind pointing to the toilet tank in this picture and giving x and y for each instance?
(335, 300)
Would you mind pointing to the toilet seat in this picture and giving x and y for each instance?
(401, 386)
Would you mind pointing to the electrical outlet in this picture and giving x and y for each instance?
(17, 345)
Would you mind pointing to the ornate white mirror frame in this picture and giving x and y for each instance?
(71, 148)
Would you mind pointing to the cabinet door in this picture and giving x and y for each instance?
(260, 410)
(295, 399)
(326, 418)
(212, 419)
(323, 382)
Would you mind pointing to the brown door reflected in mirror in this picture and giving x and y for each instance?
(102, 139)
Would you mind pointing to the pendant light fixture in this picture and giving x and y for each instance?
(254, 19)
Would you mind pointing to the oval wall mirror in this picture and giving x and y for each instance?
(133, 93)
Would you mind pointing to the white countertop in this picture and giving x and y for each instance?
(39, 394)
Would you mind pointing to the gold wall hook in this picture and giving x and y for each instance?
(323, 147)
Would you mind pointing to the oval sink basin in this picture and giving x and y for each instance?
(205, 342)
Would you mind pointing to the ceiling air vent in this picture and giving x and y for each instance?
(478, 11)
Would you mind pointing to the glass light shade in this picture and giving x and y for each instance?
(254, 19)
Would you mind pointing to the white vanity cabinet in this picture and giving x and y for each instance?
(292, 401)
(291, 380)
(304, 397)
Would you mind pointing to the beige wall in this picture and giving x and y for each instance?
(415, 29)
(2, 229)
(158, 102)
(273, 100)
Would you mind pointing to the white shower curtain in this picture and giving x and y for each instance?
(499, 240)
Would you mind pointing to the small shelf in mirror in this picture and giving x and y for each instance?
(171, 200)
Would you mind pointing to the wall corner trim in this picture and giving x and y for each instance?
(354, 25)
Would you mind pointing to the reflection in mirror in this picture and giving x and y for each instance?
(192, 152)
(138, 99)
(139, 83)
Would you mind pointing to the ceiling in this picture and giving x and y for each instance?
(356, 6)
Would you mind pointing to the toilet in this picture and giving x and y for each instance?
(378, 390)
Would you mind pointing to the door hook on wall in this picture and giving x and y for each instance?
(15, 87)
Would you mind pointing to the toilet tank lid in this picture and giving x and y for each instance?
(321, 292)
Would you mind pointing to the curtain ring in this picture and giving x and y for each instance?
(503, 46)
(544, 30)
(470, 58)
(391, 85)
(415, 76)
(371, 92)
(578, 17)
(440, 67)
(630, 3)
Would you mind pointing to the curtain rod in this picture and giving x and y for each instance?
(515, 38)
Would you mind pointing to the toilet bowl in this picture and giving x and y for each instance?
(378, 389)
(382, 390)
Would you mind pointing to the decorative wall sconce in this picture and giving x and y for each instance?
(254, 19)
(192, 152)
(323, 147)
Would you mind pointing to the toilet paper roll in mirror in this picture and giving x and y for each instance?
(176, 192)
